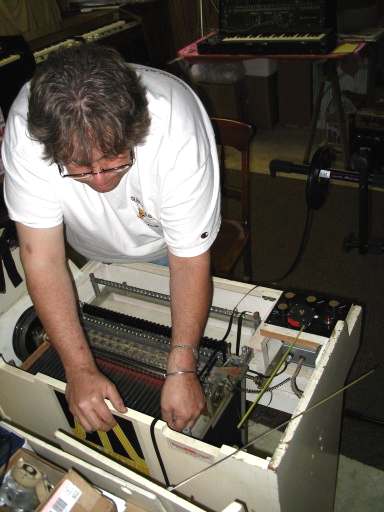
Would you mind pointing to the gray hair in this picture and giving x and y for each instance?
(83, 98)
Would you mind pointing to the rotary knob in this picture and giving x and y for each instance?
(289, 296)
(283, 309)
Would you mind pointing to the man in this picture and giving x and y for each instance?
(125, 158)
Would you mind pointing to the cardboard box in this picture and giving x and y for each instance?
(71, 491)
(75, 494)
(34, 473)
(53, 473)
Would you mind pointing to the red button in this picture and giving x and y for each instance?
(294, 323)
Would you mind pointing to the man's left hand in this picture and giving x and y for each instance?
(182, 401)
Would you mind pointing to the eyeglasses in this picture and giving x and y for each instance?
(83, 176)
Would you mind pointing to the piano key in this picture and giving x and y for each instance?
(273, 37)
(9, 59)
(42, 55)
(107, 30)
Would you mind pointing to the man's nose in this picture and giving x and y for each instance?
(98, 176)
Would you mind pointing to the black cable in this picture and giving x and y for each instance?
(156, 448)
(239, 327)
(229, 324)
(295, 388)
(303, 242)
(266, 376)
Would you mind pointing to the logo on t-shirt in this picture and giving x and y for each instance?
(143, 214)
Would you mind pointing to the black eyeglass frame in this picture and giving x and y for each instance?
(89, 174)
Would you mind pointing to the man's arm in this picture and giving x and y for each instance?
(50, 286)
(182, 398)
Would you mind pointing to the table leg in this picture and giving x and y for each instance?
(315, 118)
(334, 79)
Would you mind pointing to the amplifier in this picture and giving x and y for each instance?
(250, 15)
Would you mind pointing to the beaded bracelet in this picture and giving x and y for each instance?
(190, 347)
(180, 372)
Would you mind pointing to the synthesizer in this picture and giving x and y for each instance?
(125, 312)
(273, 27)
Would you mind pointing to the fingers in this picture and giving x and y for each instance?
(179, 424)
(115, 399)
(182, 401)
(92, 411)
(178, 421)
(95, 415)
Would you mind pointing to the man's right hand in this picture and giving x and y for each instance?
(86, 391)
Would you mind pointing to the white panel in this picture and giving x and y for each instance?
(250, 481)
(26, 401)
(71, 445)
(307, 457)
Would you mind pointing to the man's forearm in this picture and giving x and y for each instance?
(52, 293)
(191, 294)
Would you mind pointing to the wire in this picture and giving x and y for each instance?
(298, 392)
(266, 376)
(201, 18)
(239, 327)
(235, 310)
(303, 243)
(214, 5)
(157, 451)
(229, 324)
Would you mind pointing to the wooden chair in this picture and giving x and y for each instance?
(234, 238)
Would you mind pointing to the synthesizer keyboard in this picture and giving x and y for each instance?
(294, 42)
(43, 54)
(108, 30)
(8, 59)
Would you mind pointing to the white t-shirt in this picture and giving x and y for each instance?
(169, 198)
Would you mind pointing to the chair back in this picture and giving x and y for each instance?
(237, 135)
(234, 237)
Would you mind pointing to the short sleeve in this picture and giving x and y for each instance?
(190, 205)
(29, 189)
